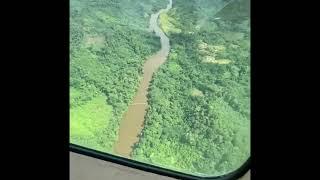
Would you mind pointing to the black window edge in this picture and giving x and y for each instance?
(155, 169)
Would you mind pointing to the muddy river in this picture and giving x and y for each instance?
(132, 123)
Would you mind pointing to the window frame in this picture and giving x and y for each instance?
(236, 174)
(156, 169)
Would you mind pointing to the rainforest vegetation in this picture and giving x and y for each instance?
(198, 119)
(109, 42)
(199, 108)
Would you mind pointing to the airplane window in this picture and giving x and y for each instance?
(163, 82)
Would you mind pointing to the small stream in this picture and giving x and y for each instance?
(132, 123)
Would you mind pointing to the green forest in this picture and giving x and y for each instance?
(109, 43)
(198, 119)
(199, 115)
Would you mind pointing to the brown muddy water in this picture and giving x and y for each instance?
(132, 123)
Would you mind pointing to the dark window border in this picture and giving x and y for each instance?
(155, 169)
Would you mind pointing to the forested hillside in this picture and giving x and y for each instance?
(109, 42)
(198, 118)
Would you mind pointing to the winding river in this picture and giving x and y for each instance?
(132, 123)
